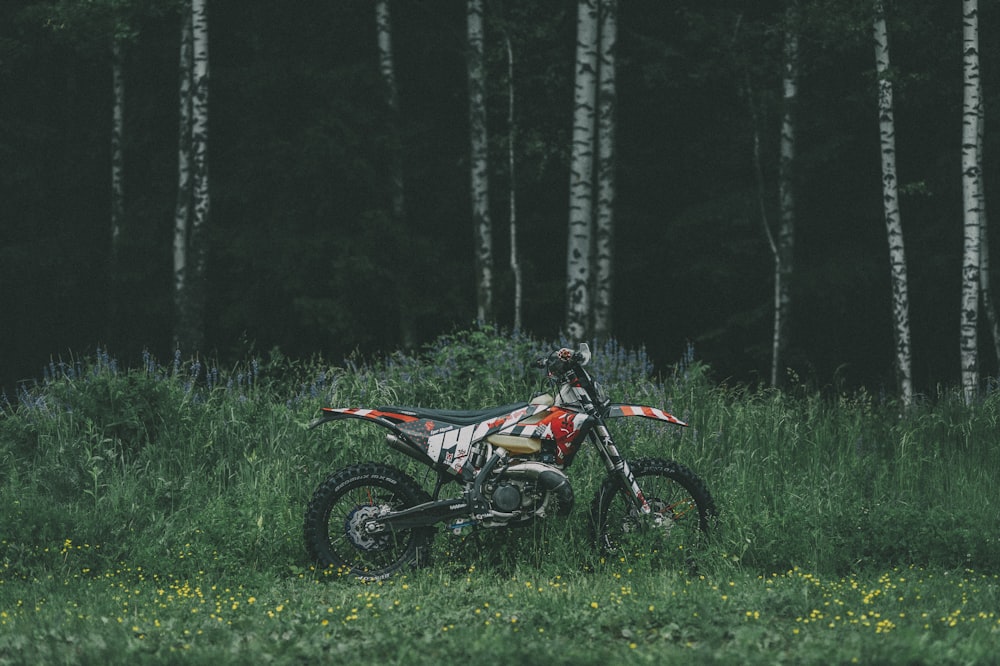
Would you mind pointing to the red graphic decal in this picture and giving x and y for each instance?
(429, 426)
(562, 427)
(371, 414)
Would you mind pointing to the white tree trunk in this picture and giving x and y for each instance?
(191, 272)
(479, 164)
(407, 303)
(515, 264)
(605, 222)
(986, 289)
(785, 241)
(971, 188)
(182, 211)
(199, 130)
(117, 155)
(581, 173)
(383, 23)
(890, 199)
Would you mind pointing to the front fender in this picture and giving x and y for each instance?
(619, 411)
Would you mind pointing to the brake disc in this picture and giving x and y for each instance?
(356, 528)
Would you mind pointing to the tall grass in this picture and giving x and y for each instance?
(154, 515)
(145, 464)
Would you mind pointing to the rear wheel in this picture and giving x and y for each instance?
(682, 513)
(343, 507)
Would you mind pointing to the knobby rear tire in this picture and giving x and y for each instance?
(342, 500)
(675, 493)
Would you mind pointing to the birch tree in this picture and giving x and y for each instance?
(741, 62)
(515, 263)
(971, 198)
(387, 68)
(117, 141)
(193, 202)
(604, 237)
(479, 163)
(890, 200)
(581, 172)
(407, 304)
(182, 209)
(117, 172)
(783, 243)
(985, 287)
(104, 24)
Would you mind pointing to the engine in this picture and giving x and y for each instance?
(528, 490)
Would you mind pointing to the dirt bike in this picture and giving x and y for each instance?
(371, 519)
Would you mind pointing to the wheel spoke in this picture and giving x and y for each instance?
(345, 505)
(681, 504)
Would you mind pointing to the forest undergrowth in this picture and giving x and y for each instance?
(157, 509)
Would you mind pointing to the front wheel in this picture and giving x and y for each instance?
(682, 513)
(343, 507)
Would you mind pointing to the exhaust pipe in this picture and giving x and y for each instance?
(550, 478)
(407, 448)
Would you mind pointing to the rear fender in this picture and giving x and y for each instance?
(409, 434)
(388, 420)
(391, 421)
(620, 411)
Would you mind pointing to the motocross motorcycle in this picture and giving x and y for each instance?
(510, 464)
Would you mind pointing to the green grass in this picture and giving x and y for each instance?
(154, 514)
(529, 615)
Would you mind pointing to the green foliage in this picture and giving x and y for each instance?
(153, 482)
(527, 615)
(145, 460)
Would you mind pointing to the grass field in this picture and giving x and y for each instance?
(528, 615)
(152, 514)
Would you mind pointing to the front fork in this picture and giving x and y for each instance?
(617, 464)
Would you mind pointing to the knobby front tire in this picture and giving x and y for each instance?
(683, 512)
(334, 521)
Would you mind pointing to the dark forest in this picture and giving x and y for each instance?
(304, 257)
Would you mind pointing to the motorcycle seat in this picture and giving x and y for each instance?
(457, 417)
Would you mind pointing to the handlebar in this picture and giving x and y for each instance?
(560, 360)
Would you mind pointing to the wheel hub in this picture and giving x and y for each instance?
(358, 525)
(663, 516)
(660, 518)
